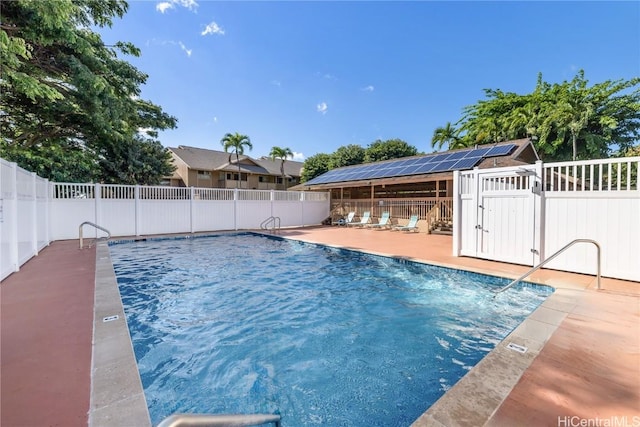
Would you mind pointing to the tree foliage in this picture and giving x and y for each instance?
(447, 135)
(354, 154)
(64, 92)
(347, 155)
(568, 120)
(282, 153)
(314, 166)
(389, 149)
(234, 143)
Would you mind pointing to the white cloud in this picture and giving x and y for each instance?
(184, 48)
(368, 89)
(322, 108)
(162, 7)
(215, 120)
(189, 4)
(298, 157)
(276, 83)
(212, 28)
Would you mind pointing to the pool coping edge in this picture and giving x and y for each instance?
(117, 396)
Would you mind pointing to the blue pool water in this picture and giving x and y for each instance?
(251, 324)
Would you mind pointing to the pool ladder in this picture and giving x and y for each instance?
(93, 225)
(272, 223)
(567, 246)
(208, 420)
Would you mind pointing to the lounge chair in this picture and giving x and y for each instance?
(364, 220)
(411, 226)
(383, 222)
(345, 221)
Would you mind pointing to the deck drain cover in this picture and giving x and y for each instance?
(516, 347)
(111, 318)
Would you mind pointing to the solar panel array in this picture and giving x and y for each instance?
(445, 162)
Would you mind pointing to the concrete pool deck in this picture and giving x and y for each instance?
(582, 362)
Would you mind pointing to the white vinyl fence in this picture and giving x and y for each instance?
(34, 212)
(24, 228)
(524, 215)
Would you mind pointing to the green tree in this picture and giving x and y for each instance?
(314, 166)
(283, 154)
(446, 135)
(64, 91)
(236, 142)
(389, 149)
(568, 120)
(347, 155)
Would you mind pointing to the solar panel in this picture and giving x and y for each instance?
(500, 150)
(466, 163)
(440, 162)
(443, 166)
(457, 155)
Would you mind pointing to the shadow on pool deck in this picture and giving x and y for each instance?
(588, 366)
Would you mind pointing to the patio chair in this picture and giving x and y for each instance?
(364, 220)
(345, 221)
(411, 226)
(383, 222)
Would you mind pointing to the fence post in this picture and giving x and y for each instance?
(539, 212)
(13, 215)
(34, 211)
(235, 209)
(271, 200)
(136, 196)
(97, 197)
(457, 215)
(191, 194)
(303, 201)
(47, 218)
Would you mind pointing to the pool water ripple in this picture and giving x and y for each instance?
(250, 324)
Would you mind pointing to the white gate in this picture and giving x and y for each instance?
(498, 214)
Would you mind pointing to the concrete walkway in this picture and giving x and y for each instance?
(46, 326)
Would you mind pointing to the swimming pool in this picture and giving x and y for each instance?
(251, 324)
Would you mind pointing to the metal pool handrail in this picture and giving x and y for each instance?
(552, 257)
(219, 420)
(273, 221)
(93, 225)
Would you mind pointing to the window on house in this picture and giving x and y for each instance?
(204, 175)
(279, 180)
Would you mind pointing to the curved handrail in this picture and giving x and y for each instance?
(208, 420)
(273, 220)
(573, 242)
(93, 225)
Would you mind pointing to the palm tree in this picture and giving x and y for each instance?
(282, 154)
(445, 135)
(236, 142)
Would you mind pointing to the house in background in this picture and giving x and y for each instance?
(199, 167)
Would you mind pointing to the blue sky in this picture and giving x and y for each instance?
(314, 76)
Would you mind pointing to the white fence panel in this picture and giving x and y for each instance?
(613, 222)
(468, 222)
(164, 217)
(251, 213)
(23, 216)
(117, 216)
(67, 215)
(290, 213)
(209, 215)
(595, 199)
(507, 228)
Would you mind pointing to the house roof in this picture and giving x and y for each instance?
(524, 153)
(213, 160)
